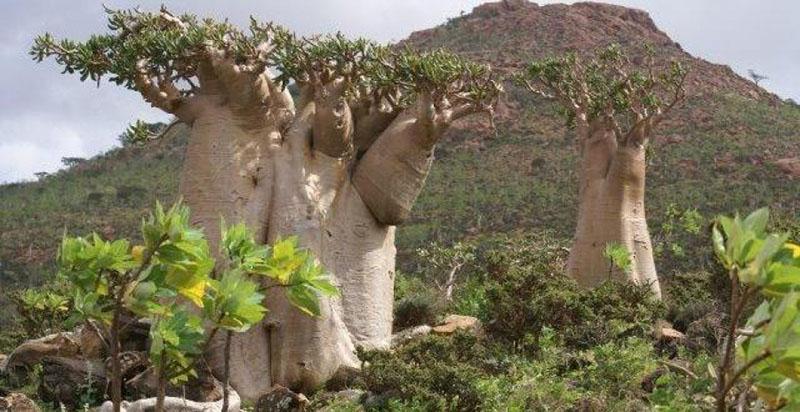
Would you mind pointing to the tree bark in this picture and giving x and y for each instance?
(611, 210)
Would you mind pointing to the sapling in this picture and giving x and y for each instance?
(172, 272)
(450, 260)
(618, 257)
(765, 353)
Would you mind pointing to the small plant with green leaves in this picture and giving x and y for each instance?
(763, 352)
(43, 310)
(678, 224)
(618, 257)
(448, 260)
(233, 302)
(172, 272)
(111, 277)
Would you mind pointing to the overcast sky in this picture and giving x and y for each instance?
(45, 116)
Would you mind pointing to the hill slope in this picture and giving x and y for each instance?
(717, 153)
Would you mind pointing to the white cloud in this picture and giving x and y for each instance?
(45, 116)
(20, 159)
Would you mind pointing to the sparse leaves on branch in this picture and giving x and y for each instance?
(169, 58)
(609, 89)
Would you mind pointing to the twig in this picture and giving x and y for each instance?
(679, 368)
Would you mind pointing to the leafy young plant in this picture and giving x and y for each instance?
(171, 272)
(766, 352)
(234, 301)
(678, 224)
(448, 260)
(618, 257)
(42, 310)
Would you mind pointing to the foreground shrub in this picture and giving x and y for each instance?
(765, 352)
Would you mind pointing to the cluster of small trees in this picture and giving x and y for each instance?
(338, 165)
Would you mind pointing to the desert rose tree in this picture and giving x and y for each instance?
(614, 106)
(339, 164)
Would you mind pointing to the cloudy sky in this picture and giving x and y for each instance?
(45, 116)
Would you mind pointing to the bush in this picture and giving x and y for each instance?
(415, 303)
(527, 292)
(433, 373)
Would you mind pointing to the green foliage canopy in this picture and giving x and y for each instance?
(608, 88)
(175, 53)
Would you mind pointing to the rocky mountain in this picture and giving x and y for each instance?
(730, 146)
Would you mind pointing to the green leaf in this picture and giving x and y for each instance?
(234, 302)
(757, 221)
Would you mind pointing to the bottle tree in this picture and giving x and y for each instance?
(614, 105)
(339, 164)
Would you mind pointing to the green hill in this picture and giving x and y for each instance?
(717, 153)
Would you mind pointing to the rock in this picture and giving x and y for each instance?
(3, 359)
(664, 332)
(17, 402)
(669, 334)
(64, 380)
(408, 334)
(281, 399)
(33, 351)
(204, 388)
(173, 404)
(344, 378)
(789, 166)
(90, 342)
(453, 323)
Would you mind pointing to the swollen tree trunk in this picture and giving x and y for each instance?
(317, 193)
(611, 210)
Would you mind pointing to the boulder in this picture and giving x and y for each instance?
(789, 166)
(664, 331)
(282, 399)
(408, 334)
(17, 402)
(26, 355)
(91, 342)
(175, 404)
(65, 380)
(453, 323)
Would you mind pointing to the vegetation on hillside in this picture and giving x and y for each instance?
(488, 237)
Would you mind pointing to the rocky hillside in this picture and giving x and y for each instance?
(731, 146)
(509, 33)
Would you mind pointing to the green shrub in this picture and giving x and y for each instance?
(527, 292)
(415, 302)
(434, 372)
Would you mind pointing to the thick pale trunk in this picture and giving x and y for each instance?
(611, 210)
(393, 172)
(227, 172)
(312, 198)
